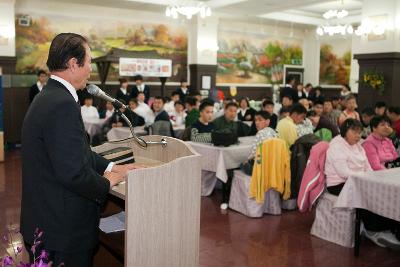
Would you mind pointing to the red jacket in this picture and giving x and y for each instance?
(313, 181)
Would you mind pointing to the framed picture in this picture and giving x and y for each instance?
(206, 82)
(296, 71)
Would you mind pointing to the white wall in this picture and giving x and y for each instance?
(7, 28)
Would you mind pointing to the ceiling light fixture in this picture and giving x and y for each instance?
(188, 10)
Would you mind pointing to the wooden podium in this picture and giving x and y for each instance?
(162, 204)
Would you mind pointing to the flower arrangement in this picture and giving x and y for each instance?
(40, 259)
(375, 80)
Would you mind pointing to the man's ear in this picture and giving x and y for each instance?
(72, 64)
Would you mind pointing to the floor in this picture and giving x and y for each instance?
(227, 238)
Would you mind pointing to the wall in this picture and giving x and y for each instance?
(7, 27)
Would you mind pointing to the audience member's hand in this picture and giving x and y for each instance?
(114, 177)
(119, 124)
(113, 125)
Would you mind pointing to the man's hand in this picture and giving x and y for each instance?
(127, 167)
(114, 177)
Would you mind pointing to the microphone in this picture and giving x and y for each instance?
(96, 91)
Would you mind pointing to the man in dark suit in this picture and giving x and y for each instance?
(38, 86)
(183, 90)
(63, 181)
(140, 87)
(289, 89)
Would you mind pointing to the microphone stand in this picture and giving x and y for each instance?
(137, 139)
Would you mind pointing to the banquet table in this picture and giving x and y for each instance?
(93, 126)
(218, 159)
(377, 192)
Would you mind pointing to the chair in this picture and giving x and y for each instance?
(162, 128)
(333, 224)
(208, 182)
(241, 202)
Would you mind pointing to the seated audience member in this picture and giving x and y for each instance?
(245, 112)
(283, 113)
(320, 122)
(143, 109)
(350, 110)
(393, 114)
(192, 110)
(378, 147)
(38, 86)
(304, 101)
(289, 89)
(366, 115)
(88, 111)
(380, 108)
(286, 127)
(123, 92)
(140, 87)
(346, 157)
(133, 117)
(169, 107)
(331, 113)
(109, 110)
(179, 115)
(158, 109)
(183, 90)
(264, 132)
(346, 90)
(268, 106)
(318, 107)
(202, 128)
(287, 101)
(336, 103)
(197, 95)
(305, 127)
(116, 120)
(227, 121)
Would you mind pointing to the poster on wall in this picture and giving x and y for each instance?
(335, 61)
(255, 58)
(169, 41)
(145, 67)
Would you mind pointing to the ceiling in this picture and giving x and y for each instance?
(308, 12)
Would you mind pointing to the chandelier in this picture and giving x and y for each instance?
(188, 10)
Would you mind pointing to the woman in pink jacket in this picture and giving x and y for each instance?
(378, 147)
(345, 157)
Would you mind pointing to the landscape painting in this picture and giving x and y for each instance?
(250, 58)
(335, 61)
(33, 42)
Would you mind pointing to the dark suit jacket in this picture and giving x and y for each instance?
(33, 91)
(121, 95)
(290, 91)
(250, 112)
(62, 183)
(163, 116)
(182, 95)
(135, 92)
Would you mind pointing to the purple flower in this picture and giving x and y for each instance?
(21, 264)
(8, 261)
(41, 263)
(43, 255)
(19, 250)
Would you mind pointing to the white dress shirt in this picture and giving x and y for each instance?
(72, 91)
(40, 86)
(170, 107)
(145, 111)
(89, 113)
(123, 90)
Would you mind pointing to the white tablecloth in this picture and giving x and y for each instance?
(219, 159)
(118, 133)
(378, 192)
(93, 126)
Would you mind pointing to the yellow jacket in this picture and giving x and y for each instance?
(271, 170)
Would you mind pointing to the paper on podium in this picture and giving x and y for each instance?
(114, 223)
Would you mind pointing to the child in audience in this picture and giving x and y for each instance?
(350, 110)
(202, 128)
(169, 107)
(287, 129)
(158, 109)
(287, 101)
(366, 115)
(109, 110)
(88, 111)
(378, 147)
(331, 113)
(192, 110)
(178, 116)
(268, 106)
(380, 108)
(143, 109)
(318, 107)
(346, 157)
